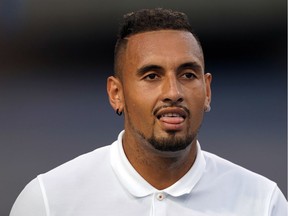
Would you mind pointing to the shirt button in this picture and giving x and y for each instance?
(160, 196)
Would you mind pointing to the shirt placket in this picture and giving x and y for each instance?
(159, 205)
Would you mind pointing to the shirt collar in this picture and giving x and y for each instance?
(139, 187)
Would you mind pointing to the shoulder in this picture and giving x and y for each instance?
(62, 183)
(239, 187)
(85, 164)
(30, 201)
(233, 174)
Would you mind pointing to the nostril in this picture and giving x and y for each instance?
(167, 100)
(173, 100)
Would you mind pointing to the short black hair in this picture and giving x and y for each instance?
(145, 20)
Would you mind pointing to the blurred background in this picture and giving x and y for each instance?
(55, 56)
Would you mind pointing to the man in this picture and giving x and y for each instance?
(156, 167)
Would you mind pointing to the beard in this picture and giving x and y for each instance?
(172, 143)
(169, 143)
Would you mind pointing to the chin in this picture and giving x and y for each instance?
(171, 143)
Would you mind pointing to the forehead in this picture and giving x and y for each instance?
(169, 45)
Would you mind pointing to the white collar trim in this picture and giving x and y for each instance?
(139, 187)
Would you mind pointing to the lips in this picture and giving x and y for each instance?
(171, 118)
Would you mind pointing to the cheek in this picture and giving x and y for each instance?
(196, 102)
(195, 95)
(136, 105)
(141, 95)
(139, 107)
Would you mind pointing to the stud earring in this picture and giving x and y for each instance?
(207, 108)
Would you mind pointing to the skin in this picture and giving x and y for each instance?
(162, 74)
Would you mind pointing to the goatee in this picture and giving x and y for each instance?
(171, 143)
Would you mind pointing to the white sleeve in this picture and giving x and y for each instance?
(30, 202)
(278, 204)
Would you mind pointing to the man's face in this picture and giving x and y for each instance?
(164, 88)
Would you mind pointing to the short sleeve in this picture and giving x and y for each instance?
(278, 204)
(30, 201)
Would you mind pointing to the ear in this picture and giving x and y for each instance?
(115, 93)
(208, 80)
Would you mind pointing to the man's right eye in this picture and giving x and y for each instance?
(151, 76)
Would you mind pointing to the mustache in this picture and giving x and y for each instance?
(170, 105)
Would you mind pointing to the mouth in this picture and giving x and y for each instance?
(172, 118)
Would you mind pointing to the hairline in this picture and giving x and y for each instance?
(121, 46)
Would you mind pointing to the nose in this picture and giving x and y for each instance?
(172, 90)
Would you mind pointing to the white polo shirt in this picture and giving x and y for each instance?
(104, 183)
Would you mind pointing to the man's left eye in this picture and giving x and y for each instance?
(188, 76)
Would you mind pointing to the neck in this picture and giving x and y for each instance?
(160, 169)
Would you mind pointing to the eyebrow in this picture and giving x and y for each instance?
(188, 65)
(147, 68)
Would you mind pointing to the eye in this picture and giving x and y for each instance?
(151, 76)
(189, 76)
